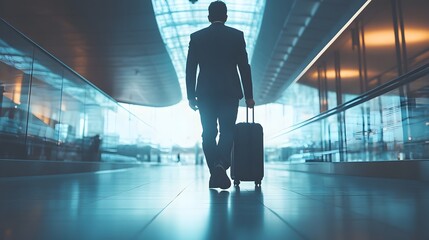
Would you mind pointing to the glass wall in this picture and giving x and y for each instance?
(388, 40)
(48, 112)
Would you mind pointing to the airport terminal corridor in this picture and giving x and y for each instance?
(174, 202)
(100, 138)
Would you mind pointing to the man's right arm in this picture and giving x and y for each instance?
(191, 75)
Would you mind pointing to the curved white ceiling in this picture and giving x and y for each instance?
(177, 19)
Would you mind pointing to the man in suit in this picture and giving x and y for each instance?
(217, 50)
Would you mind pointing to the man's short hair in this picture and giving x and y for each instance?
(217, 11)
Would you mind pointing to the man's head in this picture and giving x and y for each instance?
(217, 11)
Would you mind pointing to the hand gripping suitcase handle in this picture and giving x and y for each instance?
(253, 115)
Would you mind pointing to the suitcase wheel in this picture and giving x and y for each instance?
(236, 183)
(258, 183)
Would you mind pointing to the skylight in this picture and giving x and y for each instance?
(177, 19)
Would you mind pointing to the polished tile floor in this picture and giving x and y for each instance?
(174, 202)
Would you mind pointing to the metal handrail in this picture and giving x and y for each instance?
(373, 93)
(67, 67)
(53, 57)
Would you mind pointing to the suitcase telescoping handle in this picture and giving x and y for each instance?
(253, 115)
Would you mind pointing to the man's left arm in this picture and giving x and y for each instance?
(245, 73)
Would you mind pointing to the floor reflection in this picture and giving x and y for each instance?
(247, 213)
(219, 224)
(174, 202)
(238, 214)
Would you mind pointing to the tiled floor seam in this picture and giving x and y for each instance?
(112, 195)
(156, 215)
(285, 222)
(354, 212)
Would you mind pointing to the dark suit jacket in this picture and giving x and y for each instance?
(218, 50)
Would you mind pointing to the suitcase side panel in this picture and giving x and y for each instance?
(248, 152)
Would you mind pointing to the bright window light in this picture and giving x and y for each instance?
(177, 19)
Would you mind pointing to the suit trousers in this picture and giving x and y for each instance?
(212, 112)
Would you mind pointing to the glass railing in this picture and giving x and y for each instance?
(366, 97)
(387, 123)
(50, 112)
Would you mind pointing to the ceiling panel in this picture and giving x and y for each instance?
(117, 45)
(293, 32)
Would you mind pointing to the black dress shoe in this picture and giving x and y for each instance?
(213, 183)
(222, 180)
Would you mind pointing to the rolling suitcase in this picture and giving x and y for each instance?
(248, 152)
